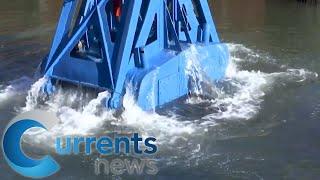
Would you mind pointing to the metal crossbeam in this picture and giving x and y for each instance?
(93, 47)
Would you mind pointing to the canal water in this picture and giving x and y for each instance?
(261, 122)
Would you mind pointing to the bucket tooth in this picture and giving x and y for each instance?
(110, 44)
(115, 101)
(48, 87)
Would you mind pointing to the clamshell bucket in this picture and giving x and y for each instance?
(108, 44)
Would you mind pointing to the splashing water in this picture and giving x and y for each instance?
(93, 118)
(34, 94)
(193, 69)
(151, 123)
(16, 87)
(237, 97)
(244, 90)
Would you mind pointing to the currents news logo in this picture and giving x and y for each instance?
(64, 146)
(13, 153)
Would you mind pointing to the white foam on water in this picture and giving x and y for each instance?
(194, 70)
(90, 118)
(249, 87)
(151, 123)
(33, 94)
(81, 120)
(85, 120)
(77, 114)
(245, 101)
(300, 75)
(15, 87)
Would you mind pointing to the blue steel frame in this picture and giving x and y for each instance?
(146, 48)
